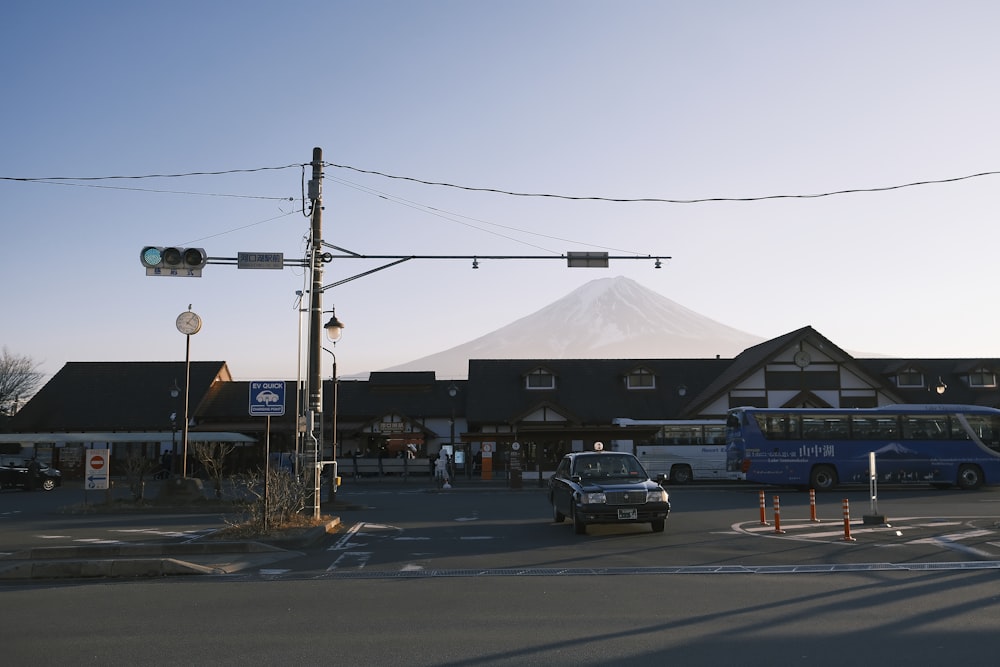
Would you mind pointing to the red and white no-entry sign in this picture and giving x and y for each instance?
(96, 475)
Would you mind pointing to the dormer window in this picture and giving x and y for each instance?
(540, 379)
(910, 378)
(640, 378)
(983, 377)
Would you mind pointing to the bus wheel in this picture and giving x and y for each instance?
(680, 474)
(969, 477)
(823, 478)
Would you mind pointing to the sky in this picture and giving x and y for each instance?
(586, 101)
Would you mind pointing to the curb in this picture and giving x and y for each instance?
(140, 560)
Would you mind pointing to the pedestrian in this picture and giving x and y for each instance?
(381, 455)
(441, 470)
(354, 460)
(33, 471)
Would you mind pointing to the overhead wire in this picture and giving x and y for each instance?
(663, 200)
(514, 193)
(451, 216)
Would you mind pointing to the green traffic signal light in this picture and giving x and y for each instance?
(172, 261)
(151, 256)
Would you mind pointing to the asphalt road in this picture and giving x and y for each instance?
(485, 577)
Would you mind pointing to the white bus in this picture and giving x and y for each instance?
(682, 449)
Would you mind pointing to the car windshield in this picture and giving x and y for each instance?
(607, 465)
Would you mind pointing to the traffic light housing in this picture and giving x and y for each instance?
(173, 261)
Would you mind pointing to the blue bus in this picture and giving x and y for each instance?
(941, 445)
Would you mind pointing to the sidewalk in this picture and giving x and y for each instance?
(529, 482)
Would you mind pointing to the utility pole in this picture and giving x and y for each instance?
(314, 379)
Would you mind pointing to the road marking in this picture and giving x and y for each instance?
(355, 559)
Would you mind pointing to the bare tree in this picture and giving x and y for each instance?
(19, 380)
(279, 507)
(212, 456)
(136, 467)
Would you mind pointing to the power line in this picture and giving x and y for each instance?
(513, 193)
(169, 192)
(667, 201)
(180, 175)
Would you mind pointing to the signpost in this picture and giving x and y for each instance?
(96, 475)
(267, 399)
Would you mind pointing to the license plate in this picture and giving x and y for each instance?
(628, 514)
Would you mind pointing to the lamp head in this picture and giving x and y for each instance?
(334, 328)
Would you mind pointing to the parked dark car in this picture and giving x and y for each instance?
(14, 474)
(606, 487)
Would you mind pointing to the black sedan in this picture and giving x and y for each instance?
(14, 475)
(606, 487)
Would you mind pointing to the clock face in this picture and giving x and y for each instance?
(802, 359)
(188, 323)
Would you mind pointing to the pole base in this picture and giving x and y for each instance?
(874, 519)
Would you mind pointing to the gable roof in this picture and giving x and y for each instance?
(116, 396)
(753, 358)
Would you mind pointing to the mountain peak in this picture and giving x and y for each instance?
(607, 318)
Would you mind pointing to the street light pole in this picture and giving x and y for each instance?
(314, 379)
(175, 391)
(453, 392)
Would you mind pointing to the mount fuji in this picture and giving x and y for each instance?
(607, 318)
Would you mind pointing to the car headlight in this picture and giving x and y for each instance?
(657, 496)
(597, 498)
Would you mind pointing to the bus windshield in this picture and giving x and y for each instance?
(941, 445)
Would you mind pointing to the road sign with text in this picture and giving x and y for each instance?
(267, 398)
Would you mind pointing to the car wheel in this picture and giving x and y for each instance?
(578, 525)
(969, 477)
(48, 484)
(680, 474)
(658, 525)
(557, 516)
(823, 478)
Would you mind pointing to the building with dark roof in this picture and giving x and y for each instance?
(549, 406)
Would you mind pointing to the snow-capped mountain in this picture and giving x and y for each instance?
(608, 318)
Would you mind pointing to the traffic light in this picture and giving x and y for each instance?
(185, 262)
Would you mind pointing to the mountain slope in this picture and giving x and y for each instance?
(608, 318)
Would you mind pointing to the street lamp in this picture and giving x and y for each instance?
(334, 328)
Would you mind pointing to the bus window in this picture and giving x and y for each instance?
(987, 429)
(779, 426)
(680, 435)
(833, 427)
(715, 435)
(925, 427)
(958, 431)
(874, 428)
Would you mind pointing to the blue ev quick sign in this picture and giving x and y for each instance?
(267, 399)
